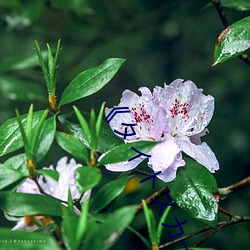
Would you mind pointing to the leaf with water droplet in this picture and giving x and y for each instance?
(193, 191)
(232, 41)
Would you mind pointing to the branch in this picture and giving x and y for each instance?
(234, 220)
(226, 23)
(224, 192)
(154, 196)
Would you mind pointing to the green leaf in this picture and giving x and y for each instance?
(74, 228)
(90, 81)
(53, 174)
(18, 162)
(233, 41)
(107, 139)
(37, 132)
(105, 235)
(20, 204)
(160, 227)
(193, 190)
(24, 137)
(124, 152)
(150, 219)
(8, 176)
(108, 193)
(92, 127)
(241, 5)
(73, 146)
(82, 223)
(70, 201)
(16, 240)
(99, 121)
(19, 90)
(84, 125)
(28, 127)
(46, 137)
(69, 230)
(43, 65)
(10, 136)
(87, 177)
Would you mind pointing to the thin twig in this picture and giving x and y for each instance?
(224, 192)
(224, 211)
(226, 23)
(154, 196)
(185, 237)
(235, 220)
(222, 15)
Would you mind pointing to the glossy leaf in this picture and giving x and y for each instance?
(193, 191)
(19, 90)
(87, 177)
(10, 136)
(46, 138)
(107, 138)
(241, 5)
(73, 146)
(16, 240)
(20, 204)
(124, 152)
(9, 175)
(105, 235)
(233, 41)
(108, 193)
(18, 162)
(90, 81)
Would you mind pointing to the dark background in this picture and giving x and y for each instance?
(161, 41)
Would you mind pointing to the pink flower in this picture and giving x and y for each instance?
(58, 189)
(177, 115)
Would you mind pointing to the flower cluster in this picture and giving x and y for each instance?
(58, 189)
(176, 115)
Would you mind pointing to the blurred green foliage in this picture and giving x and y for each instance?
(161, 41)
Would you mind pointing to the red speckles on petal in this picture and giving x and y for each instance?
(179, 109)
(141, 114)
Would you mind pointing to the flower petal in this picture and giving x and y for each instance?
(65, 182)
(145, 115)
(29, 187)
(166, 157)
(189, 110)
(201, 153)
(125, 165)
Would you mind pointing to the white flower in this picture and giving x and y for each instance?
(58, 189)
(177, 115)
